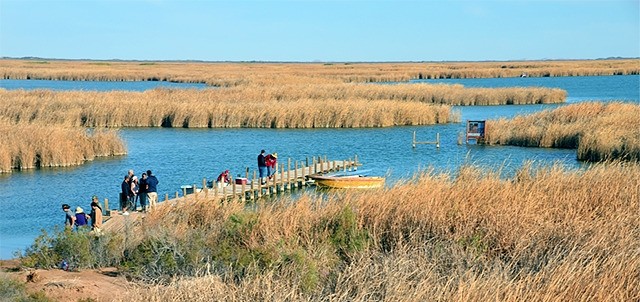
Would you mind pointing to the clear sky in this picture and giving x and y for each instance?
(320, 30)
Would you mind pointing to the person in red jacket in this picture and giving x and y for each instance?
(223, 178)
(272, 163)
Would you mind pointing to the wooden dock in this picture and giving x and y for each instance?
(289, 176)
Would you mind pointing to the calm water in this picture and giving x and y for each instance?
(31, 200)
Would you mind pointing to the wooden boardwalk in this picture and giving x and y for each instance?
(288, 177)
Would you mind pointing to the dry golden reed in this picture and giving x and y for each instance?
(600, 131)
(546, 234)
(211, 108)
(27, 146)
(229, 74)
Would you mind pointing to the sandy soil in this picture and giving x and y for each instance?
(100, 285)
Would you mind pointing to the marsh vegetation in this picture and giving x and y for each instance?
(599, 131)
(547, 233)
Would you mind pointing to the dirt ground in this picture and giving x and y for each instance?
(99, 285)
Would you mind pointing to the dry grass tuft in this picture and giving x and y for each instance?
(33, 146)
(600, 131)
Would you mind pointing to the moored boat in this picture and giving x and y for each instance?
(349, 182)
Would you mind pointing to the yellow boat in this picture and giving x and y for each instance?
(349, 182)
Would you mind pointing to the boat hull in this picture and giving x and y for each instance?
(348, 182)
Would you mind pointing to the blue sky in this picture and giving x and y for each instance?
(320, 30)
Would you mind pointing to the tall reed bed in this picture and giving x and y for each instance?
(229, 74)
(547, 234)
(212, 108)
(27, 146)
(600, 131)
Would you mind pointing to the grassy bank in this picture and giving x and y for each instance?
(547, 234)
(212, 108)
(27, 146)
(226, 74)
(600, 131)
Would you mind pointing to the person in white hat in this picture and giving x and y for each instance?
(81, 218)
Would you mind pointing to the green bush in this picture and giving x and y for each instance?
(80, 249)
(13, 290)
(346, 235)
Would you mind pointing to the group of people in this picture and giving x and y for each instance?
(80, 220)
(267, 165)
(143, 189)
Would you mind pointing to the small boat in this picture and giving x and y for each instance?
(349, 182)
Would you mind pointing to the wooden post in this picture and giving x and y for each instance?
(356, 159)
(350, 164)
(344, 165)
(259, 184)
(184, 192)
(177, 195)
(106, 207)
(315, 168)
(195, 192)
(252, 186)
(413, 142)
(438, 140)
(166, 196)
(289, 173)
(205, 188)
(246, 173)
(295, 175)
(215, 189)
(243, 189)
(281, 178)
(233, 186)
(224, 190)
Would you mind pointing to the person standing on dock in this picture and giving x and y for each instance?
(125, 195)
(152, 189)
(271, 161)
(133, 181)
(96, 216)
(262, 166)
(69, 219)
(142, 192)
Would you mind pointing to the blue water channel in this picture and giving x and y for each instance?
(30, 200)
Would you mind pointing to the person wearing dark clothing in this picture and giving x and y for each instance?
(262, 166)
(152, 189)
(142, 191)
(81, 218)
(125, 195)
